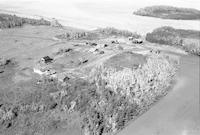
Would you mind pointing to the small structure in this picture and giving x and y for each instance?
(102, 46)
(94, 50)
(105, 45)
(43, 70)
(50, 72)
(46, 59)
(101, 52)
(115, 42)
(38, 71)
(137, 41)
(93, 44)
(155, 51)
(84, 61)
(130, 38)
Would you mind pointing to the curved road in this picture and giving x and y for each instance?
(178, 112)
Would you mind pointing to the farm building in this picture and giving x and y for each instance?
(46, 59)
(137, 41)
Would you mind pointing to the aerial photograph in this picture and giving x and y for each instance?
(99, 67)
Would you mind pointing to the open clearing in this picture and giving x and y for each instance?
(30, 43)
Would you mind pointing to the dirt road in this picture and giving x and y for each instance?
(178, 112)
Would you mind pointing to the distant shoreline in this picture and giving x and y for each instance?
(23, 15)
(169, 12)
(127, 22)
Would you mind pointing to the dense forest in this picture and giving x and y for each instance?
(11, 21)
(98, 33)
(169, 12)
(186, 39)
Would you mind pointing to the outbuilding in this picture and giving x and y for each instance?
(46, 59)
(137, 41)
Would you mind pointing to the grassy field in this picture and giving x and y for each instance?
(169, 12)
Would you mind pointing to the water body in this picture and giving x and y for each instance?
(91, 14)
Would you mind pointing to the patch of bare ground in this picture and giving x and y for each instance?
(126, 59)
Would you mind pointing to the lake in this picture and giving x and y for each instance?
(87, 14)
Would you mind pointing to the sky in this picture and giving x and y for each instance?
(181, 3)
